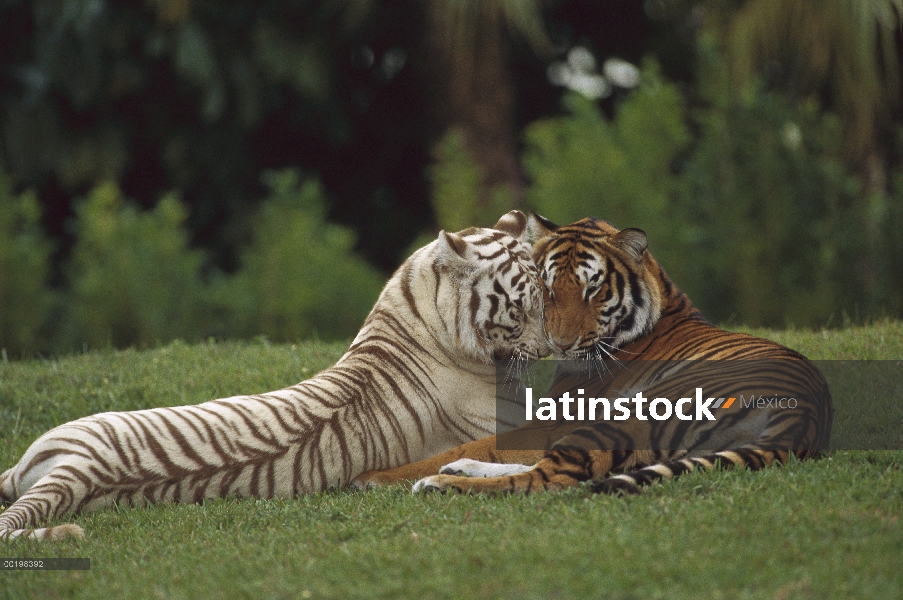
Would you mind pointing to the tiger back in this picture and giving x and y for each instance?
(413, 383)
(611, 309)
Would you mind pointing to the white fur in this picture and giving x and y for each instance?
(475, 468)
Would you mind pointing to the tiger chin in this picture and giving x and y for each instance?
(608, 304)
(418, 379)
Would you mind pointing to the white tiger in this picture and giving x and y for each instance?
(414, 383)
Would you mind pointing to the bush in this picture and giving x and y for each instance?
(756, 217)
(25, 298)
(883, 281)
(782, 233)
(458, 197)
(777, 217)
(457, 191)
(298, 277)
(582, 164)
(132, 279)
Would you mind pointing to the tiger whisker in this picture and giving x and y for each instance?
(599, 347)
(600, 362)
(615, 348)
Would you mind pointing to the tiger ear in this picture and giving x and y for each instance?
(514, 224)
(632, 241)
(538, 227)
(454, 249)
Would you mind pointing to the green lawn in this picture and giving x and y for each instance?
(821, 529)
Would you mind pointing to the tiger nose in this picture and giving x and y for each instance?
(563, 343)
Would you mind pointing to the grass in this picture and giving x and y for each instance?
(818, 529)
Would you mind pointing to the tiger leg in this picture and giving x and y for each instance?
(572, 460)
(558, 469)
(54, 495)
(742, 458)
(480, 450)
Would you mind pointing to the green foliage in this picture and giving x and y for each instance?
(458, 195)
(299, 276)
(885, 217)
(25, 299)
(194, 97)
(303, 65)
(583, 165)
(458, 189)
(774, 212)
(757, 219)
(784, 232)
(844, 49)
(132, 279)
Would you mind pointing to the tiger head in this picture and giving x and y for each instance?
(601, 289)
(493, 297)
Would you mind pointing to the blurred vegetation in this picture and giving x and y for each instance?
(457, 187)
(756, 216)
(131, 278)
(151, 154)
(775, 219)
(583, 163)
(847, 49)
(298, 277)
(25, 297)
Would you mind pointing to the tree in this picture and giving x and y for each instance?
(198, 97)
(467, 45)
(469, 42)
(842, 51)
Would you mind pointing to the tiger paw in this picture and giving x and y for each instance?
(464, 485)
(616, 486)
(439, 483)
(474, 468)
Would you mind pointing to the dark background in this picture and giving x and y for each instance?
(201, 98)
